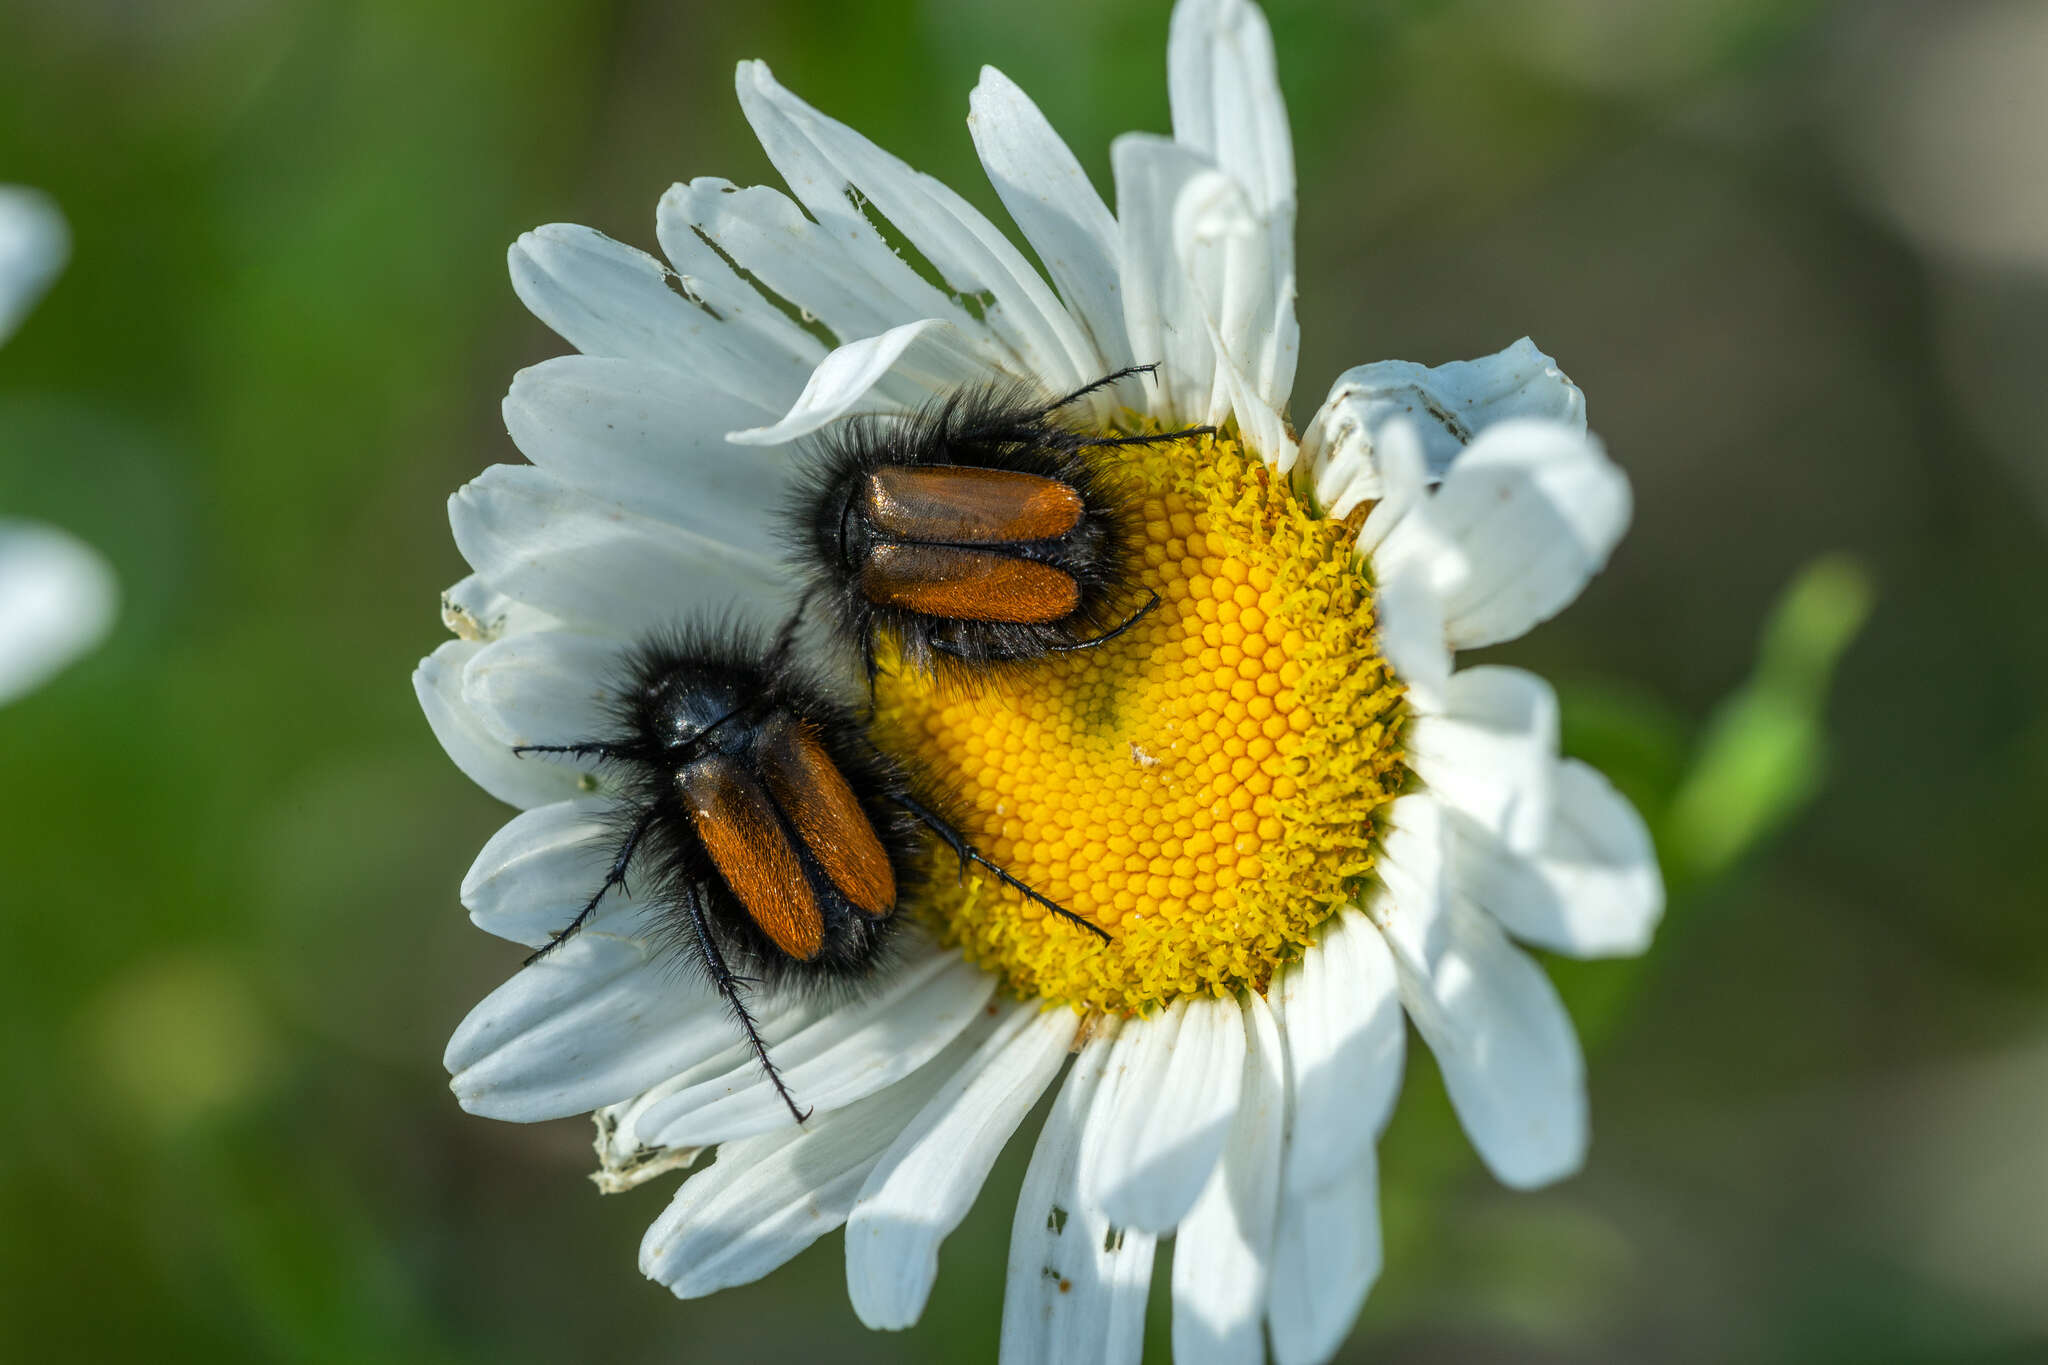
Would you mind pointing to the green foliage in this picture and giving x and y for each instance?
(1764, 754)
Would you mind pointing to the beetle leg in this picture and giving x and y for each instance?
(590, 749)
(967, 853)
(728, 984)
(1112, 633)
(615, 877)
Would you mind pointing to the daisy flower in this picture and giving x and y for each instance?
(56, 593)
(1297, 819)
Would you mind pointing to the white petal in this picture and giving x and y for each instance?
(536, 873)
(1341, 1012)
(1488, 748)
(1447, 406)
(1413, 866)
(591, 1023)
(1046, 191)
(1502, 1039)
(845, 1056)
(57, 600)
(821, 158)
(1592, 890)
(1161, 313)
(590, 561)
(777, 1018)
(607, 299)
(544, 687)
(766, 1198)
(1410, 619)
(1225, 93)
(624, 1161)
(33, 244)
(933, 353)
(1224, 1246)
(653, 440)
(1326, 1255)
(1076, 1288)
(757, 334)
(474, 610)
(1224, 88)
(1222, 249)
(819, 268)
(1523, 520)
(1398, 483)
(483, 758)
(821, 186)
(1161, 1120)
(929, 1177)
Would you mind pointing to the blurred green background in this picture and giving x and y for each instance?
(1797, 255)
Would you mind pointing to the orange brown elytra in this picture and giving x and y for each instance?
(980, 530)
(775, 839)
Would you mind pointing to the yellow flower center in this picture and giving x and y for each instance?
(1202, 787)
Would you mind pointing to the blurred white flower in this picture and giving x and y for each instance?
(33, 245)
(56, 593)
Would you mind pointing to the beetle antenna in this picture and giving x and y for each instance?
(1125, 373)
(1154, 439)
(728, 984)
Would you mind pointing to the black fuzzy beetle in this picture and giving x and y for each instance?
(980, 530)
(777, 840)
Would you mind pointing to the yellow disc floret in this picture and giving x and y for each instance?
(1202, 787)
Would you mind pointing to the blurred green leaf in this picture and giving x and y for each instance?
(1764, 752)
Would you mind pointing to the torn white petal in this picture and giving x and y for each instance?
(932, 353)
(822, 157)
(1446, 405)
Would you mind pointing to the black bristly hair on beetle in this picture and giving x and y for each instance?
(773, 840)
(984, 529)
